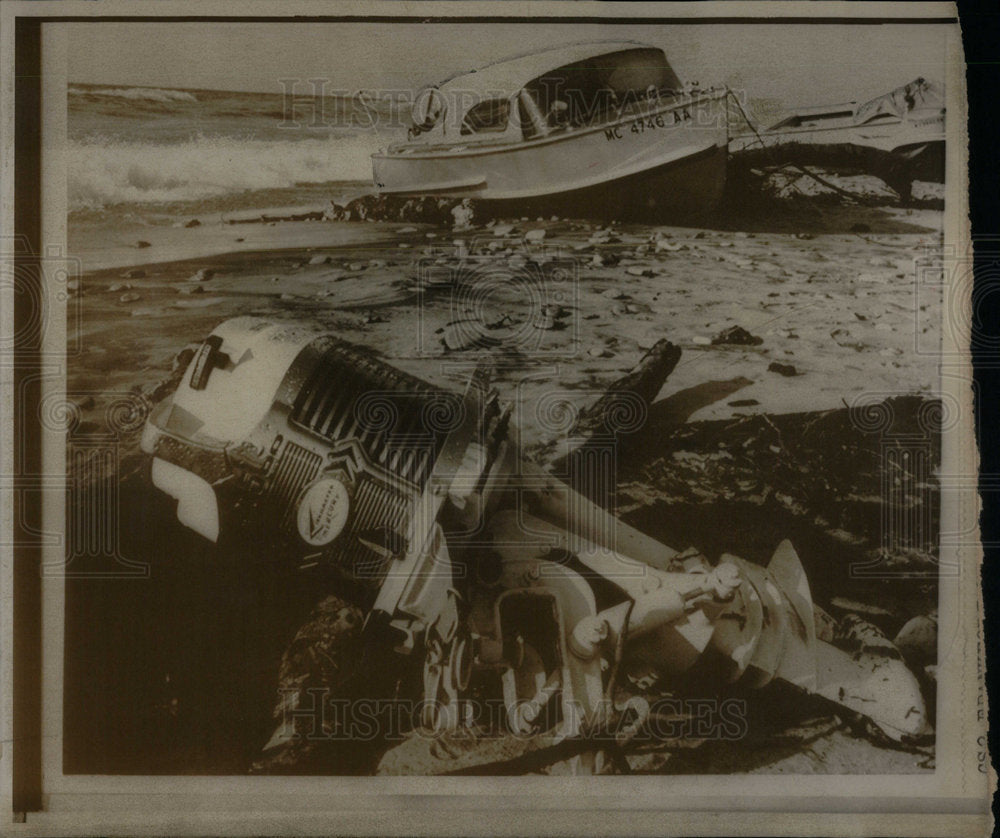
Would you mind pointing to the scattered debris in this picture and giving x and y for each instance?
(736, 336)
(917, 641)
(786, 370)
(462, 214)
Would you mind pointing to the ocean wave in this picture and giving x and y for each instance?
(105, 172)
(152, 94)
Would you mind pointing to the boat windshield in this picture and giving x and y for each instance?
(594, 89)
(488, 116)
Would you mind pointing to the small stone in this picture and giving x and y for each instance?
(495, 319)
(786, 370)
(201, 275)
(699, 340)
(134, 273)
(322, 259)
(194, 222)
(544, 321)
(736, 336)
(917, 641)
(119, 286)
(613, 294)
(129, 298)
(534, 236)
(407, 230)
(355, 266)
(640, 271)
(141, 244)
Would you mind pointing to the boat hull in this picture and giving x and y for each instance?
(896, 152)
(686, 190)
(668, 161)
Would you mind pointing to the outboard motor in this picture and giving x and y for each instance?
(297, 434)
(492, 572)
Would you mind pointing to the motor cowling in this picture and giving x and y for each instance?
(287, 431)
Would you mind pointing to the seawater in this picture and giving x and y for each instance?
(149, 149)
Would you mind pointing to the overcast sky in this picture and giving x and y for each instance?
(793, 62)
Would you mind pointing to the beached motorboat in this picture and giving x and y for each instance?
(592, 128)
(898, 136)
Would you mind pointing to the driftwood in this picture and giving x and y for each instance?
(614, 412)
(608, 424)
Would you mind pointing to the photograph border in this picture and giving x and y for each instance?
(33, 638)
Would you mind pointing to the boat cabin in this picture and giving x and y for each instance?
(536, 95)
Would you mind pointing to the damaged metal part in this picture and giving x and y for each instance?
(500, 578)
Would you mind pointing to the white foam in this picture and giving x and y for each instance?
(153, 94)
(102, 172)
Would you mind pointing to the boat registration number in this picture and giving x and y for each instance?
(649, 123)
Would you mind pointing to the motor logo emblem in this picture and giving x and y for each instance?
(322, 512)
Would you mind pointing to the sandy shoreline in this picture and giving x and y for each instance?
(843, 309)
(747, 443)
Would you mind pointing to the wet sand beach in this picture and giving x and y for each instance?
(785, 324)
